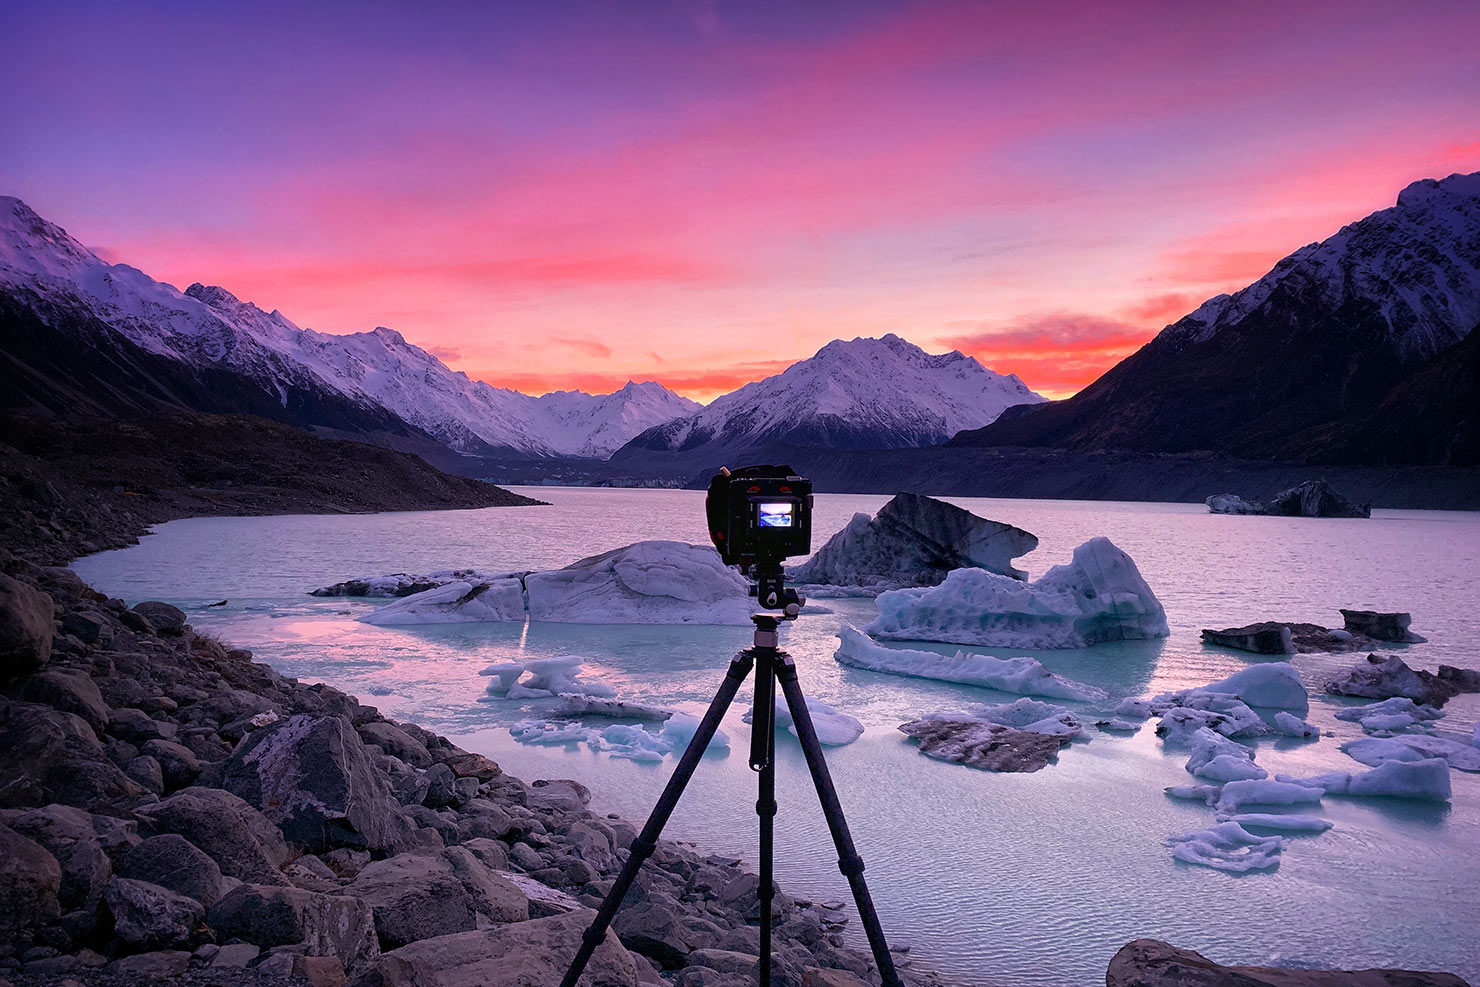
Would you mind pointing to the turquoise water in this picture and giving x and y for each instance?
(1023, 879)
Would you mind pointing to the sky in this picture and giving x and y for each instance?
(570, 195)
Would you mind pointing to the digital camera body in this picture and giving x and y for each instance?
(759, 515)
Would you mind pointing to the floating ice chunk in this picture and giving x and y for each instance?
(547, 677)
(1232, 504)
(1275, 685)
(1195, 793)
(1389, 717)
(1207, 745)
(625, 740)
(507, 674)
(574, 704)
(1277, 820)
(663, 582)
(913, 541)
(1291, 725)
(834, 728)
(1376, 751)
(1237, 794)
(1227, 846)
(1425, 780)
(546, 732)
(1119, 725)
(1034, 717)
(680, 728)
(1098, 597)
(1225, 714)
(1134, 709)
(1025, 676)
(1228, 767)
(454, 603)
(397, 584)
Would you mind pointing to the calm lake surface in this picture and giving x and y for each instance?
(1021, 879)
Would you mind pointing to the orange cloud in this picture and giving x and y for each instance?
(1056, 353)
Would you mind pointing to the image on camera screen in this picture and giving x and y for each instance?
(775, 515)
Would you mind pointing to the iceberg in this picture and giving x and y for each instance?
(1426, 780)
(1100, 596)
(1227, 846)
(1274, 685)
(1376, 751)
(1225, 714)
(453, 603)
(1237, 794)
(547, 677)
(397, 584)
(912, 541)
(834, 728)
(575, 705)
(1025, 676)
(1290, 725)
(1232, 504)
(1384, 678)
(1219, 759)
(660, 582)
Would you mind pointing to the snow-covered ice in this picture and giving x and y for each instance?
(547, 677)
(662, 582)
(1025, 676)
(1099, 596)
(453, 603)
(834, 728)
(1374, 751)
(1389, 717)
(1225, 714)
(1227, 846)
(1032, 716)
(1426, 780)
(1290, 725)
(1195, 793)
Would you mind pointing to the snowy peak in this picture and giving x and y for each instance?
(861, 393)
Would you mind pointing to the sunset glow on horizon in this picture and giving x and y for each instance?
(573, 195)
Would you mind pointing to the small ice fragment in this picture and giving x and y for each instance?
(1227, 846)
(1025, 676)
(1276, 820)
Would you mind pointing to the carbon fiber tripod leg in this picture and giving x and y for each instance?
(647, 841)
(849, 862)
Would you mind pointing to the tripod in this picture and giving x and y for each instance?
(772, 666)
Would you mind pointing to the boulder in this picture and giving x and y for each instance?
(656, 930)
(26, 628)
(47, 756)
(417, 896)
(235, 956)
(329, 925)
(173, 862)
(313, 777)
(1151, 963)
(914, 541)
(242, 842)
(177, 763)
(1386, 678)
(71, 692)
(147, 916)
(515, 955)
(30, 882)
(396, 742)
(990, 746)
(68, 834)
(166, 964)
(138, 727)
(162, 618)
(1380, 626)
(147, 772)
(88, 628)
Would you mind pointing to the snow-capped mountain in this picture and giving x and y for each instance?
(882, 393)
(207, 328)
(1296, 365)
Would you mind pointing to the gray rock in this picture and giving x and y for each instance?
(243, 842)
(162, 965)
(515, 955)
(818, 977)
(178, 763)
(146, 772)
(493, 854)
(30, 881)
(88, 628)
(26, 628)
(162, 618)
(138, 727)
(47, 756)
(330, 925)
(147, 916)
(417, 896)
(724, 961)
(439, 779)
(173, 862)
(237, 954)
(1151, 963)
(1387, 678)
(396, 742)
(69, 836)
(467, 765)
(1315, 498)
(914, 541)
(345, 862)
(1380, 626)
(72, 692)
(990, 746)
(525, 857)
(276, 965)
(655, 929)
(313, 777)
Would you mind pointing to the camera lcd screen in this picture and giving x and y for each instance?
(774, 515)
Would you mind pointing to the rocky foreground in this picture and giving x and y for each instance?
(170, 808)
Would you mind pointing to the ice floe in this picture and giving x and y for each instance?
(1025, 676)
(1227, 846)
(1374, 751)
(396, 584)
(834, 728)
(1424, 780)
(574, 704)
(1290, 822)
(1290, 725)
(548, 677)
(626, 740)
(453, 603)
(1099, 596)
(1215, 757)
(912, 541)
(1389, 717)
(663, 582)
(1273, 685)
(1237, 794)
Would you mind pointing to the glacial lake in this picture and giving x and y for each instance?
(1015, 878)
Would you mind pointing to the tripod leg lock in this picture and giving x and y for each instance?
(642, 849)
(851, 865)
(764, 808)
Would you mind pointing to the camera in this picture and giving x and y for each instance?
(758, 516)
